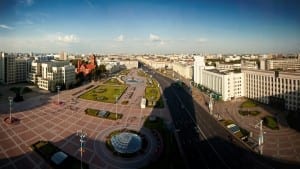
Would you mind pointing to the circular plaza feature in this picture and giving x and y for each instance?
(130, 147)
(126, 142)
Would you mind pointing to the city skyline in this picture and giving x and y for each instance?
(84, 26)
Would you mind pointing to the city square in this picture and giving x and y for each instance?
(41, 119)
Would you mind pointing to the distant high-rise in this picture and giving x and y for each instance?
(199, 64)
(13, 68)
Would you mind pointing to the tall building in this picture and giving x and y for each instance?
(227, 84)
(199, 64)
(13, 68)
(48, 74)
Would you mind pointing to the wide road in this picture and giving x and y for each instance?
(204, 142)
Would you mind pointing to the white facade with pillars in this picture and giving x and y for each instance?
(261, 84)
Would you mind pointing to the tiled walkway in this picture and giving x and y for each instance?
(41, 119)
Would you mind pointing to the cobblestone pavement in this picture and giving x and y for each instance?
(41, 119)
(280, 144)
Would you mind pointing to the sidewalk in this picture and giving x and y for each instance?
(282, 144)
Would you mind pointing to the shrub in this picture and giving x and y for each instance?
(270, 122)
(248, 104)
(252, 113)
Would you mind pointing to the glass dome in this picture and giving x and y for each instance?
(126, 143)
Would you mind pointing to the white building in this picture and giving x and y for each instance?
(227, 84)
(199, 64)
(129, 64)
(277, 88)
(183, 69)
(49, 74)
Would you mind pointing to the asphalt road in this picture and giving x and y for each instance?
(204, 142)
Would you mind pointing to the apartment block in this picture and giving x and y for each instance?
(14, 68)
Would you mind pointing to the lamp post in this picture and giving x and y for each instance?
(82, 140)
(210, 105)
(261, 136)
(58, 88)
(116, 108)
(10, 99)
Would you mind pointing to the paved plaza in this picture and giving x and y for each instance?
(41, 119)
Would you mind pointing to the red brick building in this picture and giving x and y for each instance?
(86, 68)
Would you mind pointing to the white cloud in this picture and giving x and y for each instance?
(154, 38)
(120, 38)
(67, 38)
(201, 40)
(6, 27)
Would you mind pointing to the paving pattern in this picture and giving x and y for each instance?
(41, 119)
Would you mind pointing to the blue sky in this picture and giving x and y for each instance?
(153, 26)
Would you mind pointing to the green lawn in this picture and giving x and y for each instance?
(270, 122)
(104, 93)
(109, 115)
(113, 81)
(152, 94)
(142, 74)
(246, 113)
(248, 104)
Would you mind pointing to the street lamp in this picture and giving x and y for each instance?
(58, 88)
(210, 105)
(10, 99)
(116, 108)
(261, 136)
(82, 140)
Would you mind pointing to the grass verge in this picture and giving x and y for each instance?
(248, 104)
(246, 113)
(108, 115)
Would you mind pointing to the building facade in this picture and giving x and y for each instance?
(280, 89)
(284, 64)
(183, 69)
(227, 84)
(13, 68)
(46, 75)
